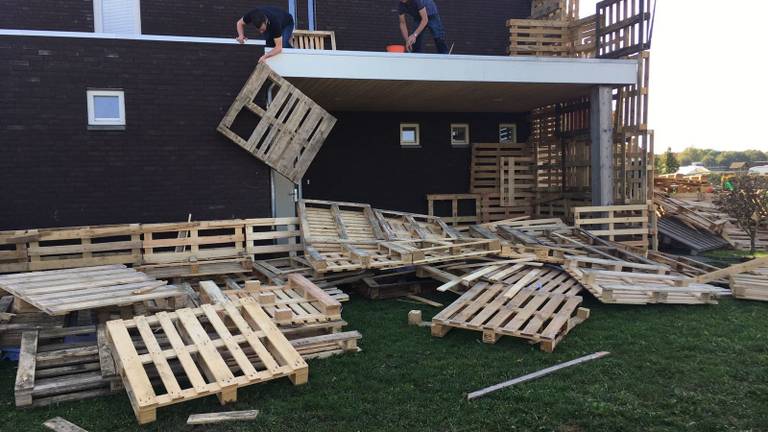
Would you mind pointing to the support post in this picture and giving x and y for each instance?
(601, 126)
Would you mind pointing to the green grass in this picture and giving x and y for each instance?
(672, 368)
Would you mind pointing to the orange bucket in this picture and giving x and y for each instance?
(396, 48)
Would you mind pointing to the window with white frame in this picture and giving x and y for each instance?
(459, 134)
(106, 108)
(409, 135)
(508, 133)
(117, 16)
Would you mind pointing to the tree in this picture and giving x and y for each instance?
(747, 203)
(671, 165)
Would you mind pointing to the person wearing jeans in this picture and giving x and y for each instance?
(425, 13)
(274, 23)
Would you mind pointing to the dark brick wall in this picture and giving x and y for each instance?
(70, 15)
(204, 18)
(362, 160)
(476, 26)
(170, 160)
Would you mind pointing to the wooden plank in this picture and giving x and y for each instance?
(535, 375)
(59, 424)
(25, 374)
(213, 418)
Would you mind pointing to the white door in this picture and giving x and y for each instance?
(285, 194)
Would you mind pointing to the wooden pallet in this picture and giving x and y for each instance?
(58, 292)
(406, 253)
(276, 271)
(750, 286)
(485, 169)
(538, 37)
(554, 9)
(266, 237)
(314, 40)
(623, 27)
(390, 285)
(537, 305)
(193, 241)
(411, 226)
(286, 133)
(684, 265)
(338, 222)
(465, 209)
(631, 112)
(517, 182)
(492, 210)
(13, 252)
(51, 371)
(298, 302)
(183, 337)
(630, 225)
(60, 248)
(640, 284)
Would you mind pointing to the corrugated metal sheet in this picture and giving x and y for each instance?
(696, 240)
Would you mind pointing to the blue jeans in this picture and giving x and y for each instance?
(287, 34)
(435, 26)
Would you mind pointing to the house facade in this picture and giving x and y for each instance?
(172, 70)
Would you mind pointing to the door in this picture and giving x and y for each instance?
(285, 194)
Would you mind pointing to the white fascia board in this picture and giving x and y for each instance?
(136, 37)
(358, 65)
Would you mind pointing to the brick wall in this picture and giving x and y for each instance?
(204, 18)
(170, 160)
(70, 15)
(362, 160)
(475, 27)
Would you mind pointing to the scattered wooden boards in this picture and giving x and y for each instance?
(212, 418)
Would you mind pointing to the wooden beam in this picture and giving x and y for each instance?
(535, 375)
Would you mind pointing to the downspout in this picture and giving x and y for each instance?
(312, 25)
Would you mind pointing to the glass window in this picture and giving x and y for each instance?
(106, 108)
(459, 135)
(409, 135)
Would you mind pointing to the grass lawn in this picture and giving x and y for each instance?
(672, 368)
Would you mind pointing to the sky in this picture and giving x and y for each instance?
(706, 62)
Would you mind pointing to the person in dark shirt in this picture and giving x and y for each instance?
(424, 12)
(274, 23)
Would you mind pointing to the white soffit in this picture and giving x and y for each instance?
(358, 65)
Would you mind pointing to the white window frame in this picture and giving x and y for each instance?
(456, 143)
(98, 17)
(112, 122)
(410, 144)
(512, 126)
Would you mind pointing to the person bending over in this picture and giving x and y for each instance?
(423, 12)
(274, 23)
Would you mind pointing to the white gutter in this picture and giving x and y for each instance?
(135, 37)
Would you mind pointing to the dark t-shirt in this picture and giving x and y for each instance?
(412, 8)
(277, 18)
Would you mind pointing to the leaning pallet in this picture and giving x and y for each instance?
(189, 343)
(51, 372)
(631, 283)
(289, 127)
(536, 304)
(58, 292)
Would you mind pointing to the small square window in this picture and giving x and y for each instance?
(106, 109)
(459, 135)
(508, 133)
(409, 135)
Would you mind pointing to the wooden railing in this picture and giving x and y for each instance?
(316, 40)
